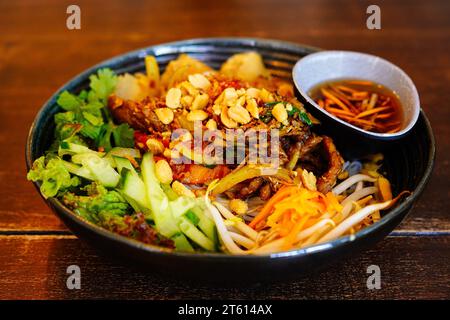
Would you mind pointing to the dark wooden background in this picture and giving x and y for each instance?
(38, 54)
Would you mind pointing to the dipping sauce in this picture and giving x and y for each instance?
(365, 104)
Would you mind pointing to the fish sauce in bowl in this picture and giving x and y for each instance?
(362, 103)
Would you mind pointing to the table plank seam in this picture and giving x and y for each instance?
(35, 232)
(393, 234)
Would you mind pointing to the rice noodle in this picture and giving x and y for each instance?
(347, 183)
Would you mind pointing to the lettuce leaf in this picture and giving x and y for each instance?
(53, 176)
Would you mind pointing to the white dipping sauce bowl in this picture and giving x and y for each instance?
(325, 66)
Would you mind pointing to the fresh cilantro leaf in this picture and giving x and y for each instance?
(104, 138)
(123, 136)
(68, 101)
(93, 119)
(102, 85)
(83, 95)
(90, 131)
(94, 107)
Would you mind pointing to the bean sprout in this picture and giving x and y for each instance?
(347, 183)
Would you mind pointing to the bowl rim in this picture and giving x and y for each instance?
(347, 53)
(60, 208)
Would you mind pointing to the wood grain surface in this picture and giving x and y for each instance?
(38, 54)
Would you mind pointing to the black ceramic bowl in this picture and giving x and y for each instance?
(408, 165)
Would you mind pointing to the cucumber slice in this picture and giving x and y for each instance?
(182, 205)
(122, 163)
(78, 170)
(158, 201)
(73, 148)
(195, 235)
(133, 188)
(206, 224)
(100, 169)
(181, 243)
(169, 192)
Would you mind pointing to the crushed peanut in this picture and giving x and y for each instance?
(309, 180)
(253, 93)
(252, 107)
(188, 88)
(226, 119)
(165, 115)
(238, 206)
(197, 115)
(199, 81)
(211, 124)
(186, 101)
(173, 98)
(239, 114)
(182, 190)
(200, 101)
(279, 112)
(163, 172)
(155, 146)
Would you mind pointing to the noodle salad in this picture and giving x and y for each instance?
(203, 160)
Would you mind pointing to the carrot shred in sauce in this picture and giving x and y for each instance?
(362, 103)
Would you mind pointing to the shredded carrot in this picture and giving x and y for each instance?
(371, 111)
(267, 209)
(330, 96)
(394, 130)
(359, 121)
(360, 95)
(361, 82)
(377, 108)
(292, 209)
(335, 110)
(290, 238)
(347, 89)
(384, 115)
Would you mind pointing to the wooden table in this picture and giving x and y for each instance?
(38, 54)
